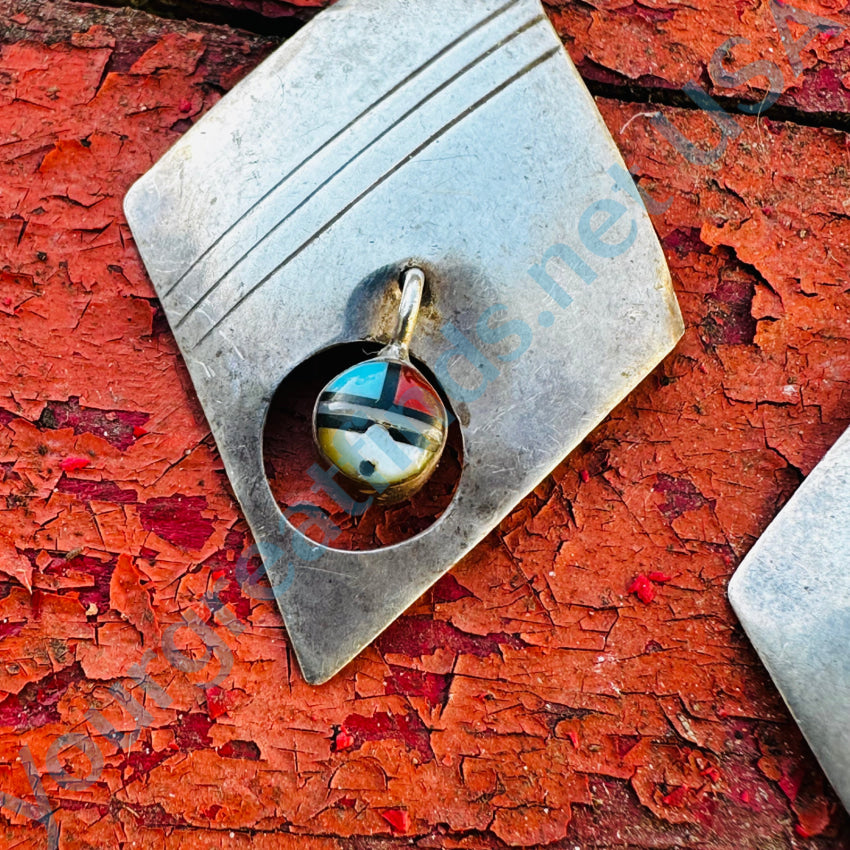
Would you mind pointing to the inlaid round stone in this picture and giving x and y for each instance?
(383, 425)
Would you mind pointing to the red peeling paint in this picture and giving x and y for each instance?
(37, 704)
(398, 819)
(117, 427)
(449, 589)
(676, 797)
(96, 491)
(643, 589)
(790, 784)
(711, 773)
(216, 702)
(659, 578)
(343, 740)
(177, 519)
(245, 750)
(681, 495)
(424, 635)
(191, 732)
(383, 726)
(72, 464)
(434, 687)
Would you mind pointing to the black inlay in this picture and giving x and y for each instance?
(390, 387)
(411, 413)
(360, 426)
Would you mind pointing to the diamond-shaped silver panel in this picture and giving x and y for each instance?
(458, 136)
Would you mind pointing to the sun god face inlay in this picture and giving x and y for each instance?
(383, 425)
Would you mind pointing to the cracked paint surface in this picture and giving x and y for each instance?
(803, 47)
(664, 44)
(529, 697)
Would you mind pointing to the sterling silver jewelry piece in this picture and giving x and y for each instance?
(388, 136)
(792, 595)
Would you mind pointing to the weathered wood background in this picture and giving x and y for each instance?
(530, 697)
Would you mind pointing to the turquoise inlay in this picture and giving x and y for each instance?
(364, 379)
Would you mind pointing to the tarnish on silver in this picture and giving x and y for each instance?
(792, 595)
(458, 138)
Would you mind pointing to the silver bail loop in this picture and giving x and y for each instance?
(413, 286)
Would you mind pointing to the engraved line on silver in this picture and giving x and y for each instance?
(372, 106)
(445, 128)
(432, 94)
